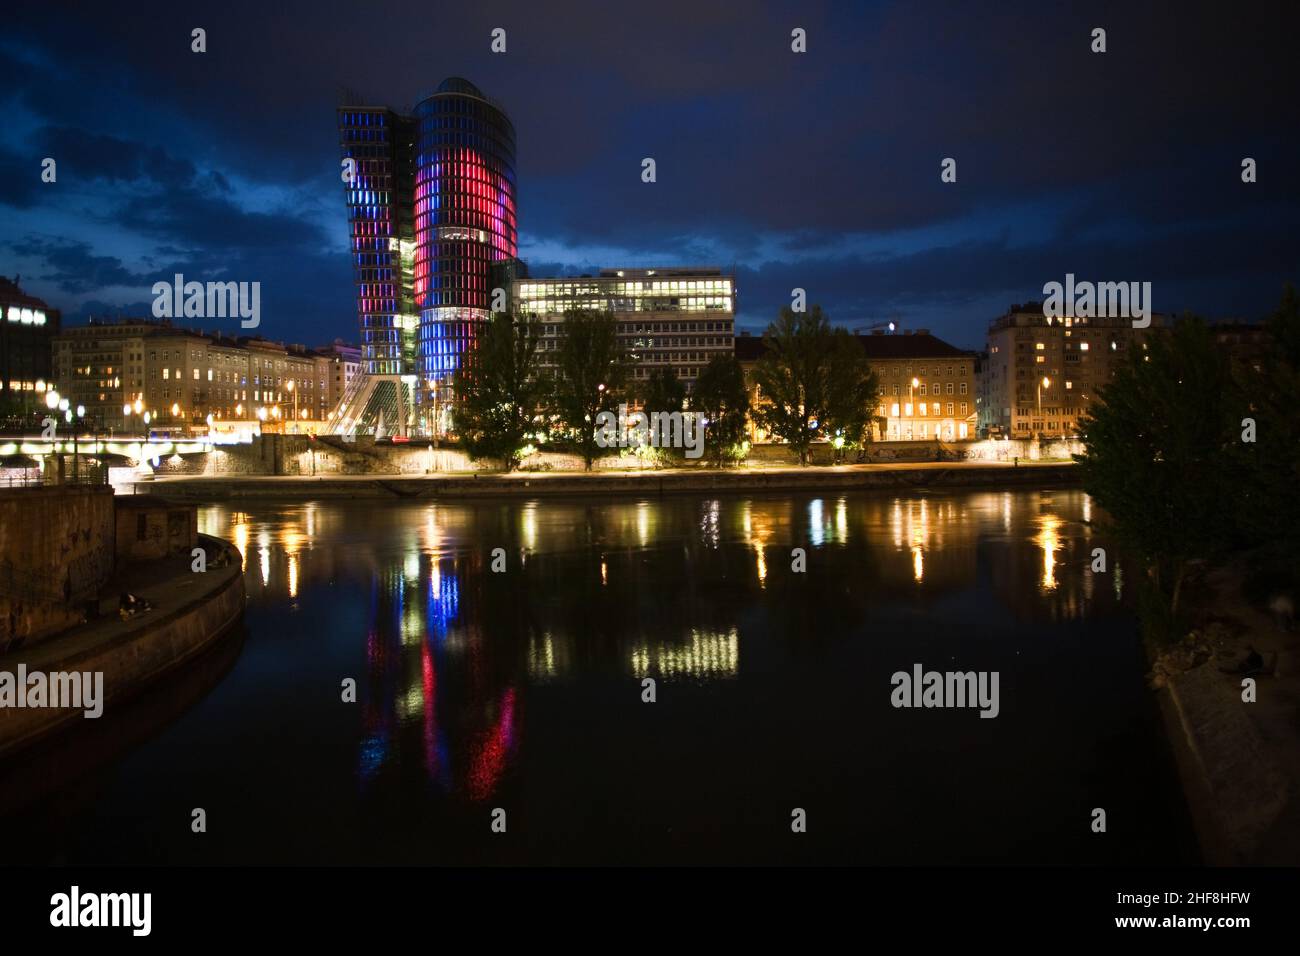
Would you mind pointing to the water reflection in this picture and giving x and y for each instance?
(452, 654)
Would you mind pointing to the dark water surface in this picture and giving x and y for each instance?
(522, 691)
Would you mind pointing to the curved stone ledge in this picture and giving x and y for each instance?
(131, 654)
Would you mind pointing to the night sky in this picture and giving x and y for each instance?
(818, 170)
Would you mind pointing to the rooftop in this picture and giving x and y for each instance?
(906, 345)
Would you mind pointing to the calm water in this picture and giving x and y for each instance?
(522, 690)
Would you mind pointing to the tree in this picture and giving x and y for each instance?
(497, 390)
(721, 397)
(792, 378)
(852, 394)
(1160, 439)
(662, 392)
(591, 375)
(1268, 507)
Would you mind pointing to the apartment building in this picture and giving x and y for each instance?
(142, 375)
(927, 386)
(1042, 372)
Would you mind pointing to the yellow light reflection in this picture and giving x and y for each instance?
(643, 522)
(757, 531)
(706, 656)
(239, 531)
(1049, 540)
(529, 519)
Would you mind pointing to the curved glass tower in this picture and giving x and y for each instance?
(464, 225)
(431, 209)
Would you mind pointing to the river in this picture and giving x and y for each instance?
(510, 686)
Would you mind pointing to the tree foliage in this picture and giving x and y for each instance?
(591, 376)
(497, 390)
(1160, 438)
(722, 397)
(852, 394)
(1268, 506)
(813, 381)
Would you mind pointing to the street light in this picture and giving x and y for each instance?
(1043, 383)
(911, 403)
(51, 399)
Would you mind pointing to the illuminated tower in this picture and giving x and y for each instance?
(378, 172)
(431, 211)
(464, 225)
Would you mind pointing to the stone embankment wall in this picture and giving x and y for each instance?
(56, 551)
(132, 654)
(329, 455)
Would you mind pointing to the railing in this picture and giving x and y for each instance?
(42, 480)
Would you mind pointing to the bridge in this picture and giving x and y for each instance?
(33, 459)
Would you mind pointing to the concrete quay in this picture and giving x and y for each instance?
(909, 477)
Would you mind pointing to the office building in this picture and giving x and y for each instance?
(677, 318)
(431, 207)
(27, 327)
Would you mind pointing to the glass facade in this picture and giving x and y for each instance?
(431, 212)
(380, 145)
(679, 318)
(465, 222)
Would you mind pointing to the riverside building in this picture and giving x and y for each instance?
(674, 318)
(27, 327)
(1043, 371)
(927, 386)
(140, 376)
(431, 211)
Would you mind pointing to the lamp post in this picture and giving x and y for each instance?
(911, 405)
(1043, 383)
(294, 393)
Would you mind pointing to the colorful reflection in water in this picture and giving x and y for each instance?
(477, 689)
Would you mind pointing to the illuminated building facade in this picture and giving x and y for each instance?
(120, 371)
(431, 207)
(464, 222)
(27, 327)
(379, 144)
(676, 318)
(1042, 372)
(927, 386)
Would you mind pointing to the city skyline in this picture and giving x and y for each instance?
(228, 175)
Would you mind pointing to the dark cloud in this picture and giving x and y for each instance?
(72, 266)
(1119, 165)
